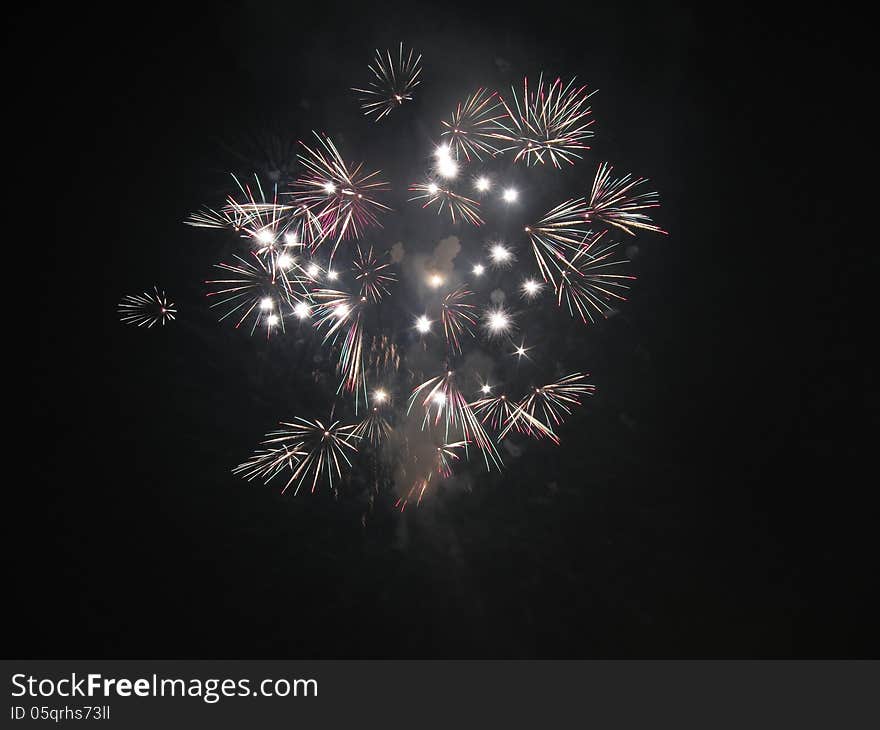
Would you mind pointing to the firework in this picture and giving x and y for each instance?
(374, 428)
(458, 317)
(442, 396)
(548, 405)
(558, 236)
(394, 79)
(341, 312)
(458, 206)
(548, 124)
(373, 277)
(254, 290)
(616, 203)
(309, 449)
(147, 309)
(497, 321)
(340, 196)
(593, 281)
(494, 411)
(471, 128)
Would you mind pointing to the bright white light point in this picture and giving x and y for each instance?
(267, 235)
(479, 269)
(482, 184)
(313, 270)
(423, 324)
(438, 398)
(520, 351)
(435, 280)
(332, 275)
(486, 389)
(380, 396)
(291, 239)
(447, 167)
(433, 188)
(510, 195)
(531, 287)
(342, 310)
(498, 321)
(499, 254)
(329, 188)
(266, 303)
(284, 261)
(301, 310)
(441, 151)
(272, 320)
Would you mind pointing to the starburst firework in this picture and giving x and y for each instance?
(147, 309)
(392, 83)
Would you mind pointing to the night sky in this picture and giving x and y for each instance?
(708, 502)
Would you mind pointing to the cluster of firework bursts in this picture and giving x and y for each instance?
(305, 263)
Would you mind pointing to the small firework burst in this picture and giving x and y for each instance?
(393, 82)
(458, 206)
(616, 203)
(311, 450)
(594, 281)
(441, 397)
(549, 404)
(147, 309)
(471, 129)
(458, 316)
(253, 289)
(551, 123)
(342, 312)
(557, 237)
(497, 321)
(373, 277)
(494, 410)
(342, 197)
(374, 428)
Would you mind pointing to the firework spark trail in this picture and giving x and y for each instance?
(393, 82)
(321, 450)
(458, 206)
(341, 197)
(257, 291)
(557, 237)
(443, 396)
(472, 128)
(548, 405)
(594, 283)
(340, 311)
(146, 309)
(615, 203)
(551, 122)
(494, 411)
(373, 277)
(458, 316)
(374, 428)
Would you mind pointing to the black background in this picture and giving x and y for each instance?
(715, 502)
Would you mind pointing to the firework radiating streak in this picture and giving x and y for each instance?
(444, 456)
(374, 428)
(593, 282)
(458, 206)
(146, 309)
(373, 277)
(615, 203)
(342, 198)
(551, 122)
(558, 236)
(393, 83)
(309, 448)
(495, 411)
(547, 406)
(473, 125)
(340, 311)
(257, 289)
(442, 394)
(458, 316)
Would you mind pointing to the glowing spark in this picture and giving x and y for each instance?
(423, 324)
(380, 396)
(510, 195)
(266, 303)
(302, 310)
(530, 288)
(500, 255)
(478, 269)
(435, 281)
(482, 184)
